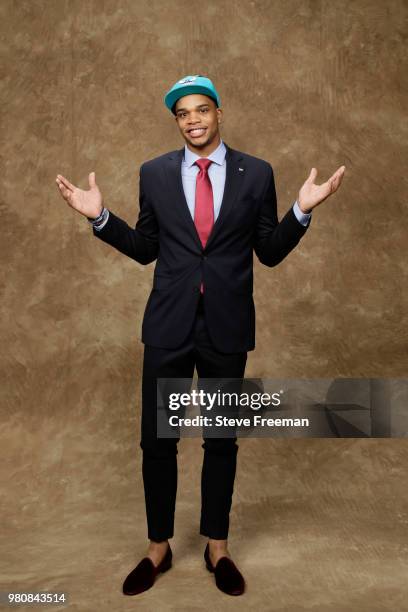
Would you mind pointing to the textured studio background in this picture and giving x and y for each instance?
(316, 524)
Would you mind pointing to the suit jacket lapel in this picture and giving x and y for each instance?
(176, 192)
(233, 182)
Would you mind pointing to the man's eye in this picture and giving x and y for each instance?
(204, 110)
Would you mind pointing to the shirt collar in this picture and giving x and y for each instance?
(216, 156)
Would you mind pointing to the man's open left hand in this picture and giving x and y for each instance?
(310, 195)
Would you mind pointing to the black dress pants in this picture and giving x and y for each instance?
(159, 466)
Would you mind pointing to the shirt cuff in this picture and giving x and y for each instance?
(303, 218)
(100, 221)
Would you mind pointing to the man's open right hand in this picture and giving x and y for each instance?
(88, 203)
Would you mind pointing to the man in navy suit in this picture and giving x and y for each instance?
(204, 210)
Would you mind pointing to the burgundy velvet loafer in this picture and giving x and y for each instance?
(228, 578)
(143, 576)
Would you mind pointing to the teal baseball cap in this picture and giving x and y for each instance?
(196, 83)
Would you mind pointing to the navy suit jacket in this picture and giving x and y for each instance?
(165, 231)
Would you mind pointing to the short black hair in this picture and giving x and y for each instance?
(173, 108)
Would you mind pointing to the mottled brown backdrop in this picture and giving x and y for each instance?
(316, 524)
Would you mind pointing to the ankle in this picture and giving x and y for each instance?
(218, 545)
(157, 551)
(153, 545)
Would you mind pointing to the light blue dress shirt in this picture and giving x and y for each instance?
(216, 173)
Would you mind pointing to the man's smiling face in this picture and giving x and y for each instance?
(198, 120)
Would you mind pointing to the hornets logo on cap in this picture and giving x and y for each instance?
(188, 79)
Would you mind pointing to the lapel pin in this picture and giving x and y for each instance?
(241, 169)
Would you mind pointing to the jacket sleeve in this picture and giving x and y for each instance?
(140, 243)
(273, 240)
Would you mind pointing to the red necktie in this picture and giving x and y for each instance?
(204, 203)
